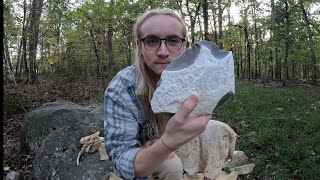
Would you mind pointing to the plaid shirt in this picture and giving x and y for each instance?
(124, 122)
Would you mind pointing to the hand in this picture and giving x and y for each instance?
(182, 127)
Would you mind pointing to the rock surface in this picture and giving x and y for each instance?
(203, 70)
(239, 158)
(53, 132)
(56, 158)
(40, 122)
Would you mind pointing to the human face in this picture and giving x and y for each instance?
(161, 26)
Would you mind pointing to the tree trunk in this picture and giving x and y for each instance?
(193, 19)
(6, 52)
(237, 62)
(287, 23)
(129, 39)
(33, 41)
(179, 4)
(248, 51)
(70, 61)
(95, 49)
(111, 63)
(274, 30)
(228, 11)
(270, 72)
(19, 58)
(260, 57)
(256, 48)
(247, 45)
(205, 19)
(220, 12)
(18, 66)
(200, 28)
(25, 26)
(215, 34)
(311, 44)
(92, 32)
(240, 54)
(293, 62)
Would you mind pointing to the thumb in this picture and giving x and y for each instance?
(187, 107)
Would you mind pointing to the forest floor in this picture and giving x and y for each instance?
(27, 97)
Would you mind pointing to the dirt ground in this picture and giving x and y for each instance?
(21, 99)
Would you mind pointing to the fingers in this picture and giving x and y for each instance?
(171, 155)
(187, 107)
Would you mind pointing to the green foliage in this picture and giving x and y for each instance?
(85, 22)
(279, 129)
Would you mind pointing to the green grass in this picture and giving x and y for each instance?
(279, 129)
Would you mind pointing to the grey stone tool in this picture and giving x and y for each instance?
(203, 70)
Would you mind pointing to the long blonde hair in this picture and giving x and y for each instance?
(147, 83)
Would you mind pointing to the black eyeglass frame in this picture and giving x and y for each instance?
(165, 42)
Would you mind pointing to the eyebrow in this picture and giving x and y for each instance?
(170, 36)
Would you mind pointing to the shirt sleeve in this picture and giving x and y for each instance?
(121, 130)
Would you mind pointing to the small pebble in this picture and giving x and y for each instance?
(13, 175)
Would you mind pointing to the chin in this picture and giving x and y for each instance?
(160, 70)
(163, 67)
(159, 73)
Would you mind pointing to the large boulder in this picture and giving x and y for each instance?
(40, 122)
(56, 158)
(97, 110)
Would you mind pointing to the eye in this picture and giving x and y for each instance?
(173, 40)
(152, 41)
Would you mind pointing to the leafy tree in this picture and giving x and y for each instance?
(94, 38)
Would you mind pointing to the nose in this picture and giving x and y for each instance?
(163, 50)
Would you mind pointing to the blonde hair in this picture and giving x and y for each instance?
(147, 84)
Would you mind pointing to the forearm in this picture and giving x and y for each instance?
(149, 159)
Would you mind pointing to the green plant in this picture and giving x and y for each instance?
(279, 129)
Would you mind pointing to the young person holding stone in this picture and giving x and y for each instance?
(140, 143)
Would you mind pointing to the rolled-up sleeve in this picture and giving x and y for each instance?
(121, 128)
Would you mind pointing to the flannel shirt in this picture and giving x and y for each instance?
(123, 122)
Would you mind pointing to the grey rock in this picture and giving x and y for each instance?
(56, 158)
(203, 70)
(40, 122)
(239, 158)
(97, 110)
(13, 175)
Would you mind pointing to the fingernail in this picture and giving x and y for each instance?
(194, 99)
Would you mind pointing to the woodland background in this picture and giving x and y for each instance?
(66, 49)
(272, 40)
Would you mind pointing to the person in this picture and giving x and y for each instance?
(140, 143)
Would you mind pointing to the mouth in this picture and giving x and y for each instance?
(163, 63)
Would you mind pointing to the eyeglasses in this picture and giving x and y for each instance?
(154, 43)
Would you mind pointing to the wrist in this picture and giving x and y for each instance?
(167, 144)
